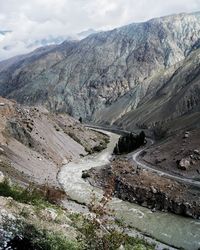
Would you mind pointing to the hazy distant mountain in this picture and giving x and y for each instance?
(3, 32)
(49, 41)
(108, 75)
(8, 49)
(86, 33)
(27, 46)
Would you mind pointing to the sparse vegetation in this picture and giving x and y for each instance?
(31, 194)
(27, 195)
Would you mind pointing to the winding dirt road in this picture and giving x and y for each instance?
(138, 162)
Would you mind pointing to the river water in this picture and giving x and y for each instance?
(165, 227)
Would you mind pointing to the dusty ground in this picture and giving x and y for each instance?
(34, 143)
(166, 154)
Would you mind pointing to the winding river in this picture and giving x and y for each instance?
(165, 227)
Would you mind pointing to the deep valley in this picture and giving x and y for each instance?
(100, 141)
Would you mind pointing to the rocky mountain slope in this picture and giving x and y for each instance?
(34, 143)
(172, 97)
(109, 74)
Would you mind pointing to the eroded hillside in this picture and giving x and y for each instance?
(34, 143)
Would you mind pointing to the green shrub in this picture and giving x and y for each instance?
(29, 195)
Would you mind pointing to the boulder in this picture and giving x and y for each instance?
(65, 162)
(197, 152)
(184, 164)
(153, 189)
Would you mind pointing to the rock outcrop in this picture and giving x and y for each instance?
(145, 188)
(172, 98)
(155, 199)
(184, 164)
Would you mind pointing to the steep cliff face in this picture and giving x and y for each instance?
(85, 77)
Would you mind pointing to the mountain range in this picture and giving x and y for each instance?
(138, 75)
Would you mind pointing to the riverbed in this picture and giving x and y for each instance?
(166, 227)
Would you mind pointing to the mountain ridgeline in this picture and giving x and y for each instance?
(149, 71)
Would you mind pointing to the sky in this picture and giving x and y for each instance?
(34, 20)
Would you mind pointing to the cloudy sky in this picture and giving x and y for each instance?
(33, 20)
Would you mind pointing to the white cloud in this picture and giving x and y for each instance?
(32, 20)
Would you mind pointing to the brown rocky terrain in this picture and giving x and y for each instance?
(35, 143)
(178, 154)
(130, 183)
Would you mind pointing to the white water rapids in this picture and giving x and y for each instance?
(166, 227)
